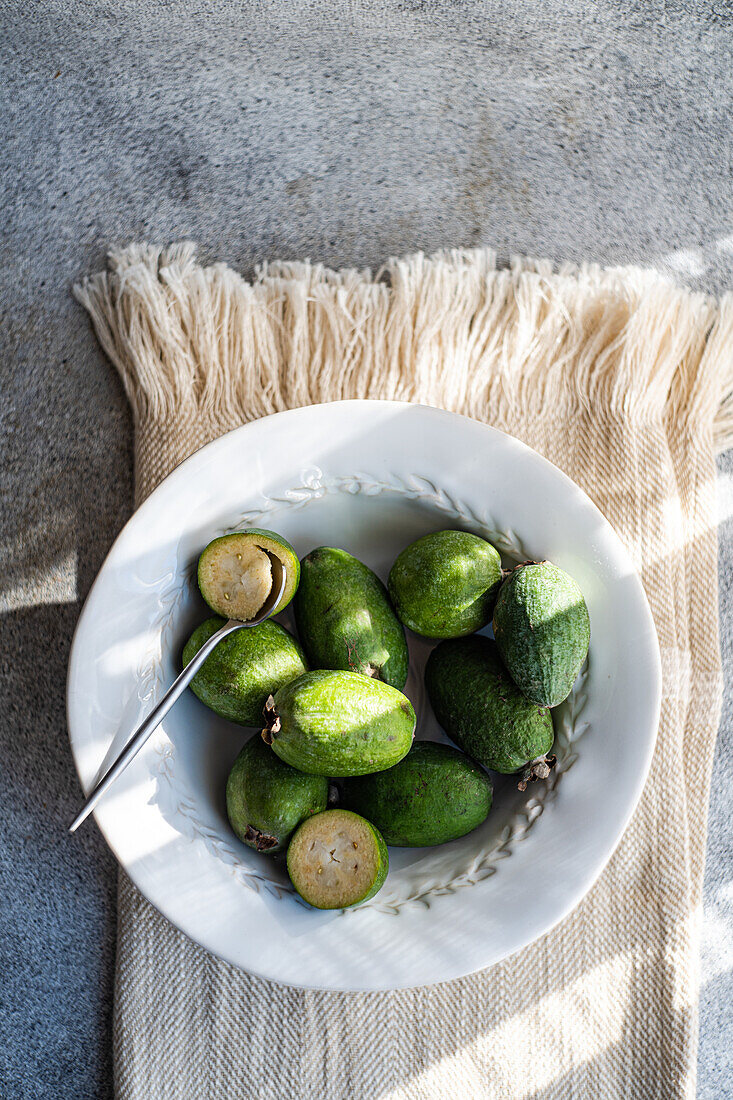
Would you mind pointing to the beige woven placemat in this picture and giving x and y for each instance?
(623, 381)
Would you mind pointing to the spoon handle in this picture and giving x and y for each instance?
(153, 720)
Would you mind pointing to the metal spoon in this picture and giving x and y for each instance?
(179, 685)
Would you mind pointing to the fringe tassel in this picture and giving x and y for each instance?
(452, 330)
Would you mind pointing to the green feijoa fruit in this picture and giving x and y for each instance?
(345, 619)
(483, 711)
(435, 794)
(337, 859)
(339, 723)
(542, 629)
(244, 669)
(237, 571)
(267, 799)
(444, 584)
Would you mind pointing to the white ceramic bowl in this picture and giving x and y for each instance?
(370, 477)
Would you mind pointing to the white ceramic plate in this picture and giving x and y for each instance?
(369, 476)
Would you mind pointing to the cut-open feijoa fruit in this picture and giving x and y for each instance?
(235, 572)
(337, 859)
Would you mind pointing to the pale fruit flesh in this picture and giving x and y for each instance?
(239, 578)
(334, 860)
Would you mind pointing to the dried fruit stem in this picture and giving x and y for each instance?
(537, 769)
(272, 721)
(263, 842)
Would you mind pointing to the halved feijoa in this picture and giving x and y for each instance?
(235, 572)
(337, 859)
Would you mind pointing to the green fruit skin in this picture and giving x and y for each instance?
(268, 797)
(444, 585)
(383, 866)
(345, 620)
(342, 723)
(481, 709)
(289, 558)
(244, 669)
(434, 795)
(542, 629)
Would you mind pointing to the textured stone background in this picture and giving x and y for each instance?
(344, 132)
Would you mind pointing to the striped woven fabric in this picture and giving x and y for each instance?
(624, 381)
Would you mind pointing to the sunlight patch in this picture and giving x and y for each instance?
(56, 584)
(716, 948)
(586, 1012)
(724, 495)
(685, 261)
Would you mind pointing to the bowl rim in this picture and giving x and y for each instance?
(178, 475)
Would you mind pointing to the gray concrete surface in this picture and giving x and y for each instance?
(344, 132)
